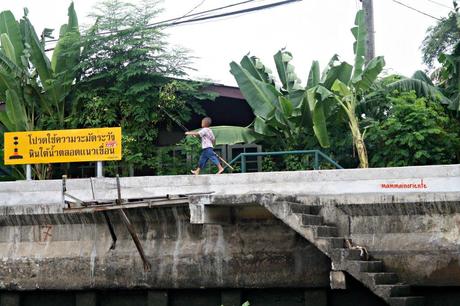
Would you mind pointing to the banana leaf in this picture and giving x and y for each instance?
(233, 134)
(261, 127)
(72, 24)
(340, 72)
(296, 97)
(421, 88)
(8, 67)
(302, 115)
(316, 108)
(15, 111)
(261, 97)
(420, 75)
(360, 34)
(313, 76)
(6, 81)
(342, 89)
(370, 73)
(6, 122)
(7, 48)
(37, 52)
(10, 27)
(286, 70)
(281, 119)
(67, 51)
(332, 62)
(286, 106)
(454, 105)
(255, 67)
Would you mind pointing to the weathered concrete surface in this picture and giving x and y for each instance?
(72, 252)
(417, 235)
(415, 231)
(322, 182)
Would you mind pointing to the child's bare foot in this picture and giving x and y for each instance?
(220, 171)
(195, 172)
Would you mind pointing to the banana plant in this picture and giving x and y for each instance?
(34, 88)
(423, 87)
(286, 111)
(283, 112)
(353, 82)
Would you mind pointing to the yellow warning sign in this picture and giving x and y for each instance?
(62, 146)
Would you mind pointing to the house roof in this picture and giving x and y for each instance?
(222, 90)
(226, 91)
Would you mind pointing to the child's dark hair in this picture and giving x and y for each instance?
(207, 121)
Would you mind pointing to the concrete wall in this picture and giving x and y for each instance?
(415, 231)
(417, 235)
(348, 181)
(72, 252)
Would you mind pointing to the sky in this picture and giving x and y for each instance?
(309, 29)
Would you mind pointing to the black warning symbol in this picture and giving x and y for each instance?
(15, 153)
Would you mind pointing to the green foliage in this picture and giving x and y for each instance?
(37, 90)
(285, 115)
(421, 84)
(296, 162)
(449, 78)
(440, 38)
(127, 79)
(269, 164)
(348, 92)
(417, 131)
(233, 134)
(178, 159)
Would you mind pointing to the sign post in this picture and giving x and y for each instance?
(29, 172)
(99, 169)
(62, 146)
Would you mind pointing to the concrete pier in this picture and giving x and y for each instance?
(226, 244)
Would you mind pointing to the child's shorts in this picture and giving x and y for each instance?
(207, 154)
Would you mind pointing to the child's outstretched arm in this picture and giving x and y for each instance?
(192, 133)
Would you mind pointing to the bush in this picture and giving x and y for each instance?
(417, 131)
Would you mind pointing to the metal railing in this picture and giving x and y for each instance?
(318, 155)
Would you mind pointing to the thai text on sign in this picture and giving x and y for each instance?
(62, 146)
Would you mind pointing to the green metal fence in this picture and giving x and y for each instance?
(317, 155)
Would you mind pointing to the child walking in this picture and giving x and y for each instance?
(207, 145)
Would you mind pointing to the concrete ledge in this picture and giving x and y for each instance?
(346, 181)
(378, 204)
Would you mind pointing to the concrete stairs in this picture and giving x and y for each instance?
(305, 220)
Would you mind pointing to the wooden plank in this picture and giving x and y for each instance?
(129, 205)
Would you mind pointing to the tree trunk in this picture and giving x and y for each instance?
(358, 141)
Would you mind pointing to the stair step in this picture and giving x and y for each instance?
(307, 219)
(297, 208)
(371, 266)
(407, 301)
(325, 231)
(367, 266)
(330, 242)
(343, 254)
(384, 278)
(395, 290)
